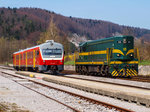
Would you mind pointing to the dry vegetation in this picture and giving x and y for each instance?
(9, 46)
(144, 49)
(11, 107)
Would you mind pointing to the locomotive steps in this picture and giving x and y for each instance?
(131, 94)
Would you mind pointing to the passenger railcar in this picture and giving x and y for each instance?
(113, 56)
(41, 58)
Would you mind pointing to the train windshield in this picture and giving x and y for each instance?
(52, 52)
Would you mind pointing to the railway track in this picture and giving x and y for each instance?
(114, 83)
(93, 101)
(136, 78)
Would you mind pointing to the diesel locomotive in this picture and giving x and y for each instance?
(40, 58)
(113, 56)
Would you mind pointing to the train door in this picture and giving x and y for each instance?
(15, 60)
(26, 60)
(109, 55)
(33, 58)
(37, 57)
(19, 61)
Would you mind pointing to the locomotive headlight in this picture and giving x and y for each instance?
(44, 61)
(131, 55)
(118, 55)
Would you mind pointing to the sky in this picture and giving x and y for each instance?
(134, 13)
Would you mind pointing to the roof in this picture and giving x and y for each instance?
(47, 41)
(108, 38)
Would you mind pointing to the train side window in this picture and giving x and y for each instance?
(37, 52)
(111, 54)
(84, 49)
(29, 55)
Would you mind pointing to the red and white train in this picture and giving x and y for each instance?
(40, 58)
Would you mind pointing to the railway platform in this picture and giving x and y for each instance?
(131, 94)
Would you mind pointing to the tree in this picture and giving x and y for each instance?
(128, 31)
(52, 33)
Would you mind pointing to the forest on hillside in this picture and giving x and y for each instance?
(26, 27)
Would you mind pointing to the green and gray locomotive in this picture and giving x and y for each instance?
(113, 56)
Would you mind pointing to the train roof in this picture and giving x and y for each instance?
(108, 38)
(47, 42)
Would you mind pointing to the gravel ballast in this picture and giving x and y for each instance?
(75, 102)
(12, 92)
(124, 104)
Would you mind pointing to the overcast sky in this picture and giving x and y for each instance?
(124, 12)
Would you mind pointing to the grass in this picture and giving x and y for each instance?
(69, 63)
(145, 62)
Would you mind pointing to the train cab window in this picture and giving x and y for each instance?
(51, 51)
(119, 42)
(124, 41)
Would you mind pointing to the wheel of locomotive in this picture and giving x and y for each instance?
(84, 70)
(77, 69)
(107, 70)
(103, 70)
(98, 71)
(80, 70)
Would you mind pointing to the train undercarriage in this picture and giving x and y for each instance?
(108, 71)
(53, 69)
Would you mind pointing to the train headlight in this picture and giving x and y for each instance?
(44, 61)
(131, 55)
(118, 55)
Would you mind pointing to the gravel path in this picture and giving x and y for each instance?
(124, 104)
(14, 93)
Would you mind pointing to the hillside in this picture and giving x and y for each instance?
(28, 23)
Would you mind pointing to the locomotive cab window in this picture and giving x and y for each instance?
(119, 42)
(124, 41)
